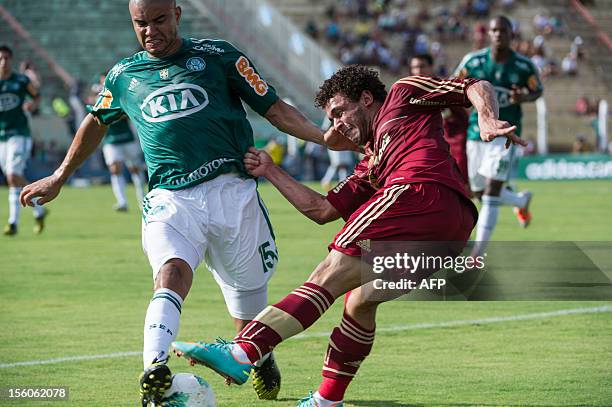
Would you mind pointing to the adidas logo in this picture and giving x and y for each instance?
(133, 83)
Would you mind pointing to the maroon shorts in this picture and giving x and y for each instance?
(407, 212)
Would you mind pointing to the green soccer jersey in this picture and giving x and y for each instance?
(187, 109)
(13, 121)
(518, 70)
(119, 133)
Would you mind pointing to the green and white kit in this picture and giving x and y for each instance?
(492, 160)
(193, 128)
(15, 140)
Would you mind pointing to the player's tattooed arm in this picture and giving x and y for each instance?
(311, 203)
(85, 142)
(482, 96)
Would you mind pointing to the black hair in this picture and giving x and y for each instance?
(505, 20)
(7, 49)
(351, 81)
(425, 57)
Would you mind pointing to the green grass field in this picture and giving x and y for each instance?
(81, 289)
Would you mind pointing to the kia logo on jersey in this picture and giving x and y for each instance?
(173, 102)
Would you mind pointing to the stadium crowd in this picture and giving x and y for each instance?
(387, 33)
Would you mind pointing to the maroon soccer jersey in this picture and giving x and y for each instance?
(408, 133)
(352, 192)
(388, 197)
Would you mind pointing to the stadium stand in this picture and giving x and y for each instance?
(448, 27)
(85, 38)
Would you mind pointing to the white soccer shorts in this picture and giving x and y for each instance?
(128, 153)
(14, 154)
(222, 223)
(488, 161)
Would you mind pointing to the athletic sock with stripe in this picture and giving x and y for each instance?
(161, 324)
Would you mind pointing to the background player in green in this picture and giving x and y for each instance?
(15, 139)
(516, 81)
(120, 147)
(184, 96)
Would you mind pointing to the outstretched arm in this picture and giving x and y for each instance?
(311, 203)
(482, 96)
(87, 138)
(289, 120)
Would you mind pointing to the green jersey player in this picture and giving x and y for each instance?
(120, 147)
(516, 81)
(185, 98)
(15, 139)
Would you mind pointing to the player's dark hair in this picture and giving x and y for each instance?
(351, 81)
(425, 57)
(7, 49)
(505, 20)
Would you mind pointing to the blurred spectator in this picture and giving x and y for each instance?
(576, 47)
(311, 28)
(479, 36)
(363, 28)
(276, 151)
(541, 24)
(362, 9)
(332, 31)
(63, 111)
(481, 8)
(569, 65)
(581, 107)
(507, 5)
(581, 145)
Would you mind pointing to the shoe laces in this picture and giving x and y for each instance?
(310, 398)
(219, 343)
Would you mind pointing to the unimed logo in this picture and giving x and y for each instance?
(174, 101)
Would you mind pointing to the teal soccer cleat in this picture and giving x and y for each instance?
(216, 356)
(311, 402)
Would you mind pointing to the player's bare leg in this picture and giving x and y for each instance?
(488, 215)
(118, 185)
(171, 287)
(137, 176)
(16, 183)
(334, 276)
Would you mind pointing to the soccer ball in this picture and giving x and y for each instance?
(189, 390)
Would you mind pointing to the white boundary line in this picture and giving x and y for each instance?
(392, 328)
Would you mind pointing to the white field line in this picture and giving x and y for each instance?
(391, 328)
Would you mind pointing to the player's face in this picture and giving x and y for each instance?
(420, 66)
(5, 61)
(349, 118)
(500, 34)
(156, 26)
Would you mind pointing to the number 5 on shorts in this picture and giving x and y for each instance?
(268, 256)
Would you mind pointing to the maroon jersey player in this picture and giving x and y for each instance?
(407, 188)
